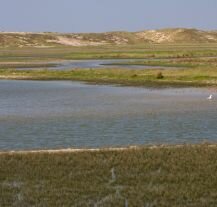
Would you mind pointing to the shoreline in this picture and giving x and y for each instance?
(106, 149)
(122, 77)
(151, 85)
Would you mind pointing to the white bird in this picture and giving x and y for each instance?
(210, 97)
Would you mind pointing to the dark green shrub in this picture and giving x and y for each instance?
(134, 76)
(160, 75)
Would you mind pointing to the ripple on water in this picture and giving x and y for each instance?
(56, 114)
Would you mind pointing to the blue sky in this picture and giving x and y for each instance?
(106, 15)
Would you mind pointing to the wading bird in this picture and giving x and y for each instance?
(210, 97)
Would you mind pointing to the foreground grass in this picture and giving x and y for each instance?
(206, 76)
(161, 176)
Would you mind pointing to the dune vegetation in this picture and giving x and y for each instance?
(162, 36)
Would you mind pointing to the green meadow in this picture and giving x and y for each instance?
(134, 51)
(148, 77)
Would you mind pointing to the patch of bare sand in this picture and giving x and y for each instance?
(158, 36)
(70, 41)
(74, 150)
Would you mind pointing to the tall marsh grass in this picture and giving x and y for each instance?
(161, 176)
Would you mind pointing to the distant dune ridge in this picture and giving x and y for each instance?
(47, 39)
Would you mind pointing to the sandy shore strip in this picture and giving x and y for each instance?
(68, 150)
(75, 150)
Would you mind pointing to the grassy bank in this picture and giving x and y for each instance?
(174, 62)
(170, 77)
(161, 176)
(26, 65)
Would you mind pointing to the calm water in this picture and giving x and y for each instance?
(36, 114)
(103, 64)
(66, 65)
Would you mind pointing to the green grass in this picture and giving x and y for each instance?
(193, 62)
(147, 77)
(161, 177)
(26, 65)
(134, 51)
(157, 63)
